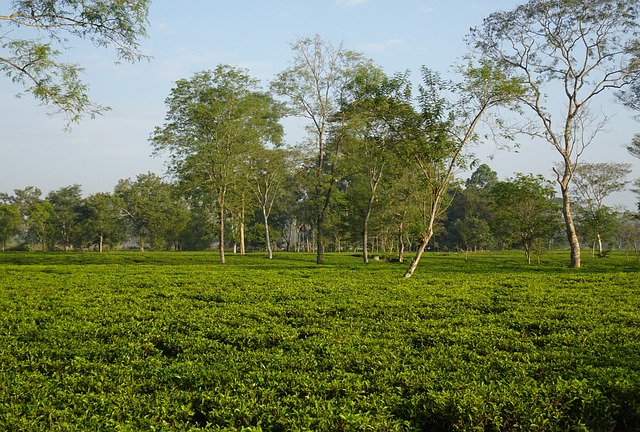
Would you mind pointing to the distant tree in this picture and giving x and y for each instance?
(526, 213)
(34, 62)
(475, 233)
(315, 85)
(482, 177)
(215, 120)
(577, 49)
(10, 220)
(145, 203)
(102, 222)
(40, 224)
(66, 203)
(593, 183)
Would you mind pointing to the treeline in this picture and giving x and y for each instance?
(150, 213)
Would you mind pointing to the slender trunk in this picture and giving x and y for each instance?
(101, 240)
(290, 238)
(266, 232)
(221, 245)
(599, 245)
(401, 243)
(365, 244)
(242, 245)
(319, 237)
(416, 259)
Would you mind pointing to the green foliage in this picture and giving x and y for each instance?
(159, 341)
(34, 62)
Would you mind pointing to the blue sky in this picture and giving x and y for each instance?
(194, 35)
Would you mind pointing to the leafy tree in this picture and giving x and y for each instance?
(66, 203)
(145, 203)
(35, 64)
(39, 224)
(482, 177)
(377, 108)
(10, 220)
(577, 49)
(525, 211)
(475, 233)
(102, 222)
(315, 85)
(268, 170)
(447, 128)
(215, 120)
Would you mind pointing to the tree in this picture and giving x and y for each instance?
(593, 183)
(101, 219)
(145, 203)
(215, 120)
(577, 49)
(447, 128)
(315, 85)
(9, 223)
(66, 203)
(525, 210)
(268, 170)
(377, 108)
(35, 64)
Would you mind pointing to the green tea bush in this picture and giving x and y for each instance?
(175, 341)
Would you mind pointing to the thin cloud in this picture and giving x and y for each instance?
(350, 3)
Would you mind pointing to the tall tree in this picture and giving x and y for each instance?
(214, 121)
(268, 170)
(35, 63)
(375, 112)
(315, 85)
(576, 49)
(446, 128)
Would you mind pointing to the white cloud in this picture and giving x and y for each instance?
(349, 3)
(382, 46)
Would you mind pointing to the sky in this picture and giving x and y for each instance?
(189, 36)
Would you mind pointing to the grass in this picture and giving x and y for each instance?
(176, 341)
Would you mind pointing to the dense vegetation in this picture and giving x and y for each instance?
(172, 341)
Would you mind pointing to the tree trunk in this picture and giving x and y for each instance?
(401, 243)
(242, 245)
(320, 245)
(221, 245)
(572, 236)
(599, 245)
(101, 240)
(266, 232)
(416, 259)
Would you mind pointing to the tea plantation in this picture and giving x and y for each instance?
(176, 341)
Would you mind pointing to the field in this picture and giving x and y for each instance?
(176, 341)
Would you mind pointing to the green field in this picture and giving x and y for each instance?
(176, 341)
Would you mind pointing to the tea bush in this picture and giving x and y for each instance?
(175, 341)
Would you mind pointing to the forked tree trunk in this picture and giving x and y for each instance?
(266, 232)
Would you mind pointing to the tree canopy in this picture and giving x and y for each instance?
(32, 56)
